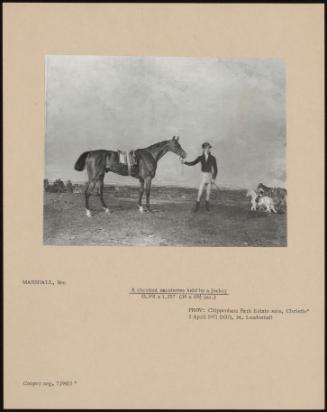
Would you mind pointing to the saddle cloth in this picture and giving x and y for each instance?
(127, 158)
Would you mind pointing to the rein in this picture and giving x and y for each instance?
(182, 167)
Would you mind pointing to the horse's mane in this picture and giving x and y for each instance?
(155, 145)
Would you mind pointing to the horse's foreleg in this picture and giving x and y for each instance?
(141, 191)
(101, 189)
(147, 192)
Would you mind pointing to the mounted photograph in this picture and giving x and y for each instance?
(165, 151)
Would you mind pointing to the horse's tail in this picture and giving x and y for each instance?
(80, 162)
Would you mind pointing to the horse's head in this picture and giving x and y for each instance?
(175, 147)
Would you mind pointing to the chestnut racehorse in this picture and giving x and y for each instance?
(99, 162)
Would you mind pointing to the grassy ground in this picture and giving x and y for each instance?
(172, 222)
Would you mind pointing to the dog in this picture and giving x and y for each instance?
(266, 203)
(277, 194)
(254, 196)
(261, 202)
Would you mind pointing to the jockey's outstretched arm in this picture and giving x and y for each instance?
(194, 162)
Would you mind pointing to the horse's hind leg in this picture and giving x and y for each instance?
(88, 190)
(101, 189)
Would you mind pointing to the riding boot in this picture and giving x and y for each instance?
(197, 205)
(207, 206)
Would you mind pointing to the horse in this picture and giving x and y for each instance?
(99, 162)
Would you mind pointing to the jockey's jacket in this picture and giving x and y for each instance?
(207, 165)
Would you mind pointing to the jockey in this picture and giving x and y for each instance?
(209, 173)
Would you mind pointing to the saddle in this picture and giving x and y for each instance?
(127, 158)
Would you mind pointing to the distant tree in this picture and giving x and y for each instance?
(69, 186)
(59, 186)
(46, 185)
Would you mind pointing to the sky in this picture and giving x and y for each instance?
(126, 103)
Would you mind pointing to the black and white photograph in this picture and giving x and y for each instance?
(164, 206)
(165, 151)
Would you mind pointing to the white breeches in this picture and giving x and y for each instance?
(206, 179)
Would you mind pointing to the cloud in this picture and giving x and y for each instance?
(131, 102)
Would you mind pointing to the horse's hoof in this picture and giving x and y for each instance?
(106, 210)
(88, 213)
(141, 209)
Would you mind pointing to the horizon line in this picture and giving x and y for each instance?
(224, 186)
